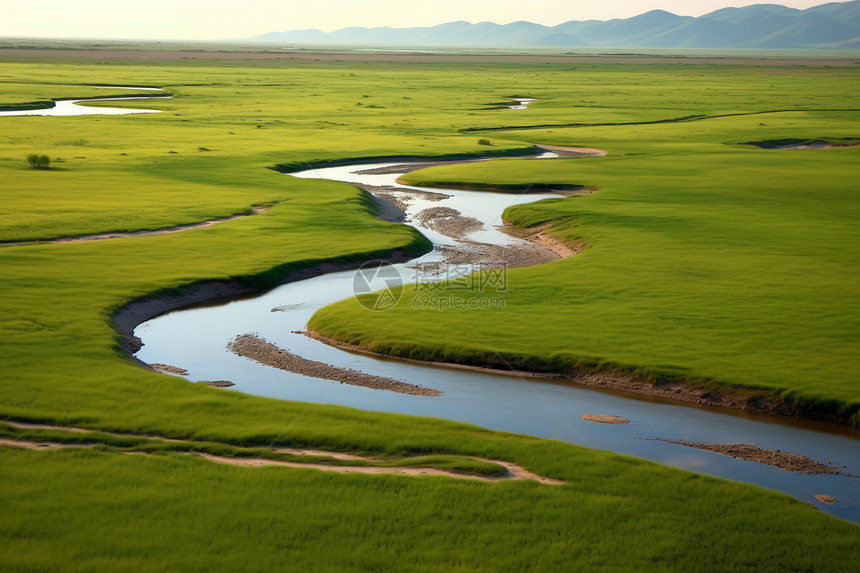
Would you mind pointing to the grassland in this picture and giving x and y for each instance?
(712, 261)
(209, 155)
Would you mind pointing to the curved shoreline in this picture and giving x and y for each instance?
(424, 160)
(777, 458)
(538, 235)
(132, 314)
(264, 352)
(711, 394)
(43, 107)
(756, 401)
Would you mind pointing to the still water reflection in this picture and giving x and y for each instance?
(195, 339)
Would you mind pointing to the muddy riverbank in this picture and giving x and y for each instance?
(128, 317)
(259, 350)
(521, 402)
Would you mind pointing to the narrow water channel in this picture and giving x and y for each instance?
(196, 339)
(70, 107)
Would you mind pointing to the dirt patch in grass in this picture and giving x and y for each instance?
(539, 236)
(778, 458)
(259, 350)
(28, 445)
(557, 246)
(143, 233)
(574, 151)
(512, 471)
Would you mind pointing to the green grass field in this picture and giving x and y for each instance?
(711, 262)
(210, 154)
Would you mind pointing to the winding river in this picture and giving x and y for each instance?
(195, 339)
(70, 107)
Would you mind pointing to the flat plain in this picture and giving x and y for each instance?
(709, 261)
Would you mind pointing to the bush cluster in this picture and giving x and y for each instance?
(37, 161)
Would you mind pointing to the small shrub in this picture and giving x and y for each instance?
(37, 161)
(484, 142)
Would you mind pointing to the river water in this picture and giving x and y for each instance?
(195, 339)
(70, 107)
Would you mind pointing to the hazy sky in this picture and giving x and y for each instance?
(224, 19)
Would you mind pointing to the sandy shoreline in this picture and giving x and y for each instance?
(131, 315)
(365, 352)
(757, 402)
(761, 401)
(488, 256)
(168, 369)
(394, 201)
(538, 235)
(778, 458)
(604, 419)
(259, 350)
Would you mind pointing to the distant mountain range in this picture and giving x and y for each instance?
(762, 26)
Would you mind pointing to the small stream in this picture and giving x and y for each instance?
(195, 339)
(70, 107)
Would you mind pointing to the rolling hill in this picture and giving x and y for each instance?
(762, 26)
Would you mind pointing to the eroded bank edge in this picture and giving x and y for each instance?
(130, 315)
(710, 393)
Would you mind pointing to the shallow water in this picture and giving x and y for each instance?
(127, 88)
(70, 107)
(196, 339)
(522, 103)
